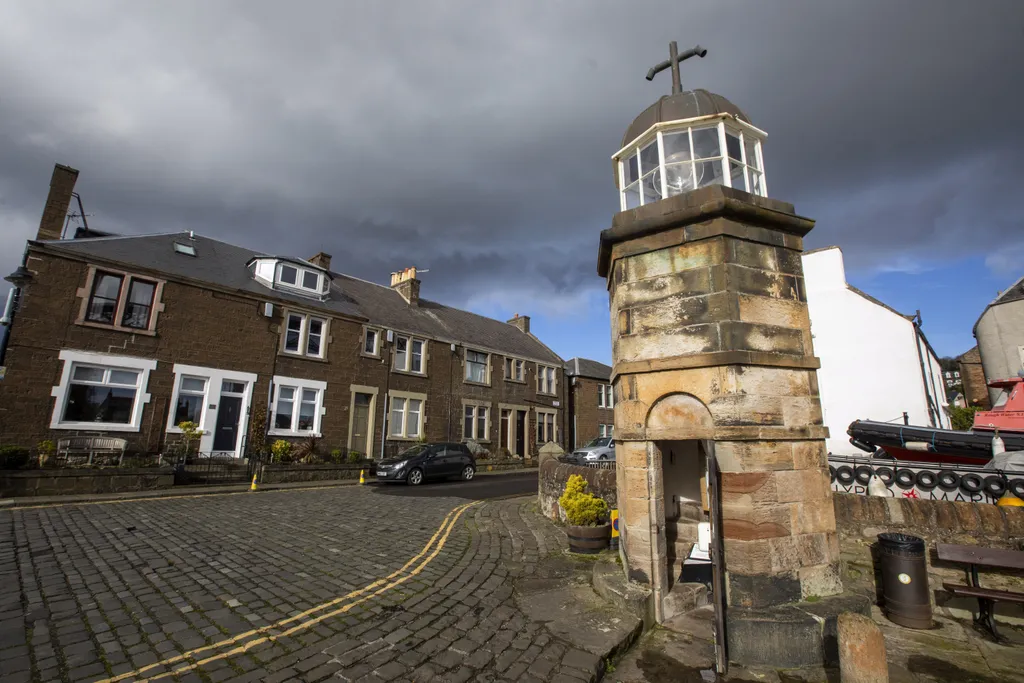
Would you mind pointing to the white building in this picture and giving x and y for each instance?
(876, 363)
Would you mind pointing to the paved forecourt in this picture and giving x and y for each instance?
(326, 584)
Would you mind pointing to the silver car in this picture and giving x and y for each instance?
(601, 449)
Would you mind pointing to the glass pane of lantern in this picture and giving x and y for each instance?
(732, 145)
(705, 143)
(709, 173)
(678, 178)
(736, 173)
(649, 157)
(677, 147)
(632, 195)
(631, 170)
(652, 186)
(755, 183)
(751, 150)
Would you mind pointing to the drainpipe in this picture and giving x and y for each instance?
(19, 278)
(916, 321)
(387, 388)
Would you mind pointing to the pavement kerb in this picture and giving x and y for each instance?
(193, 491)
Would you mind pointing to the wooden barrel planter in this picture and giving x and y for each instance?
(588, 540)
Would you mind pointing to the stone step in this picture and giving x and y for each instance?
(684, 597)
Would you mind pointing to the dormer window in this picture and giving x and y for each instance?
(297, 278)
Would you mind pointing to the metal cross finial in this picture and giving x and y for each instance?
(673, 61)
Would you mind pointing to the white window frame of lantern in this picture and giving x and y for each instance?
(656, 133)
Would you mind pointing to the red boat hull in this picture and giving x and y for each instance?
(927, 457)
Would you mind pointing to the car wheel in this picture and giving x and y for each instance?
(467, 473)
(415, 477)
(603, 457)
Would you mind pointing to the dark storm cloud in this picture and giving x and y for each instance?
(474, 140)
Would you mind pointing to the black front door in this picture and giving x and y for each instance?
(225, 438)
(521, 433)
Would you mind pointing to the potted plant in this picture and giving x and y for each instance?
(589, 530)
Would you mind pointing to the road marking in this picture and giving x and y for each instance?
(382, 585)
(179, 496)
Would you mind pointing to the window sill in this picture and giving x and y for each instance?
(115, 328)
(288, 432)
(95, 427)
(408, 373)
(465, 439)
(544, 393)
(392, 437)
(476, 384)
(516, 381)
(364, 354)
(301, 356)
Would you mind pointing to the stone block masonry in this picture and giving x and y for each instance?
(711, 343)
(78, 481)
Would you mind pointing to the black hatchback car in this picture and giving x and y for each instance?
(428, 461)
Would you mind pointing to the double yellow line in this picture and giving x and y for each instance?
(249, 639)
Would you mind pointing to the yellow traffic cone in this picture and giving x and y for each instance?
(253, 487)
(362, 480)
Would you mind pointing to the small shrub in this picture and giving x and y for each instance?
(45, 451)
(190, 434)
(355, 457)
(308, 451)
(281, 451)
(581, 508)
(963, 418)
(13, 457)
(337, 456)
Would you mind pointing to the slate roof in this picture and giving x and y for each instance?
(584, 367)
(224, 265)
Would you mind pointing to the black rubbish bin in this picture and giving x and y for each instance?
(905, 596)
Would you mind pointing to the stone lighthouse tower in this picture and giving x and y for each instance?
(713, 363)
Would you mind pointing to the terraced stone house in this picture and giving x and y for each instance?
(591, 401)
(132, 335)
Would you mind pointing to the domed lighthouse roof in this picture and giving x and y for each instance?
(687, 140)
(691, 104)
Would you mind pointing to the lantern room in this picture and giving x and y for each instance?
(686, 141)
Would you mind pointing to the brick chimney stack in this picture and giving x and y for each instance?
(321, 260)
(62, 184)
(522, 322)
(405, 283)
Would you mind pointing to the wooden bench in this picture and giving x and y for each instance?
(975, 557)
(91, 446)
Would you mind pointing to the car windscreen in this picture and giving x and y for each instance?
(411, 451)
(600, 442)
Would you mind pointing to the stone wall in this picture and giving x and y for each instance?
(859, 520)
(287, 473)
(551, 482)
(283, 474)
(78, 481)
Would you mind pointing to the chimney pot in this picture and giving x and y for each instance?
(62, 184)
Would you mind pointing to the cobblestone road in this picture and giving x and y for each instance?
(233, 588)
